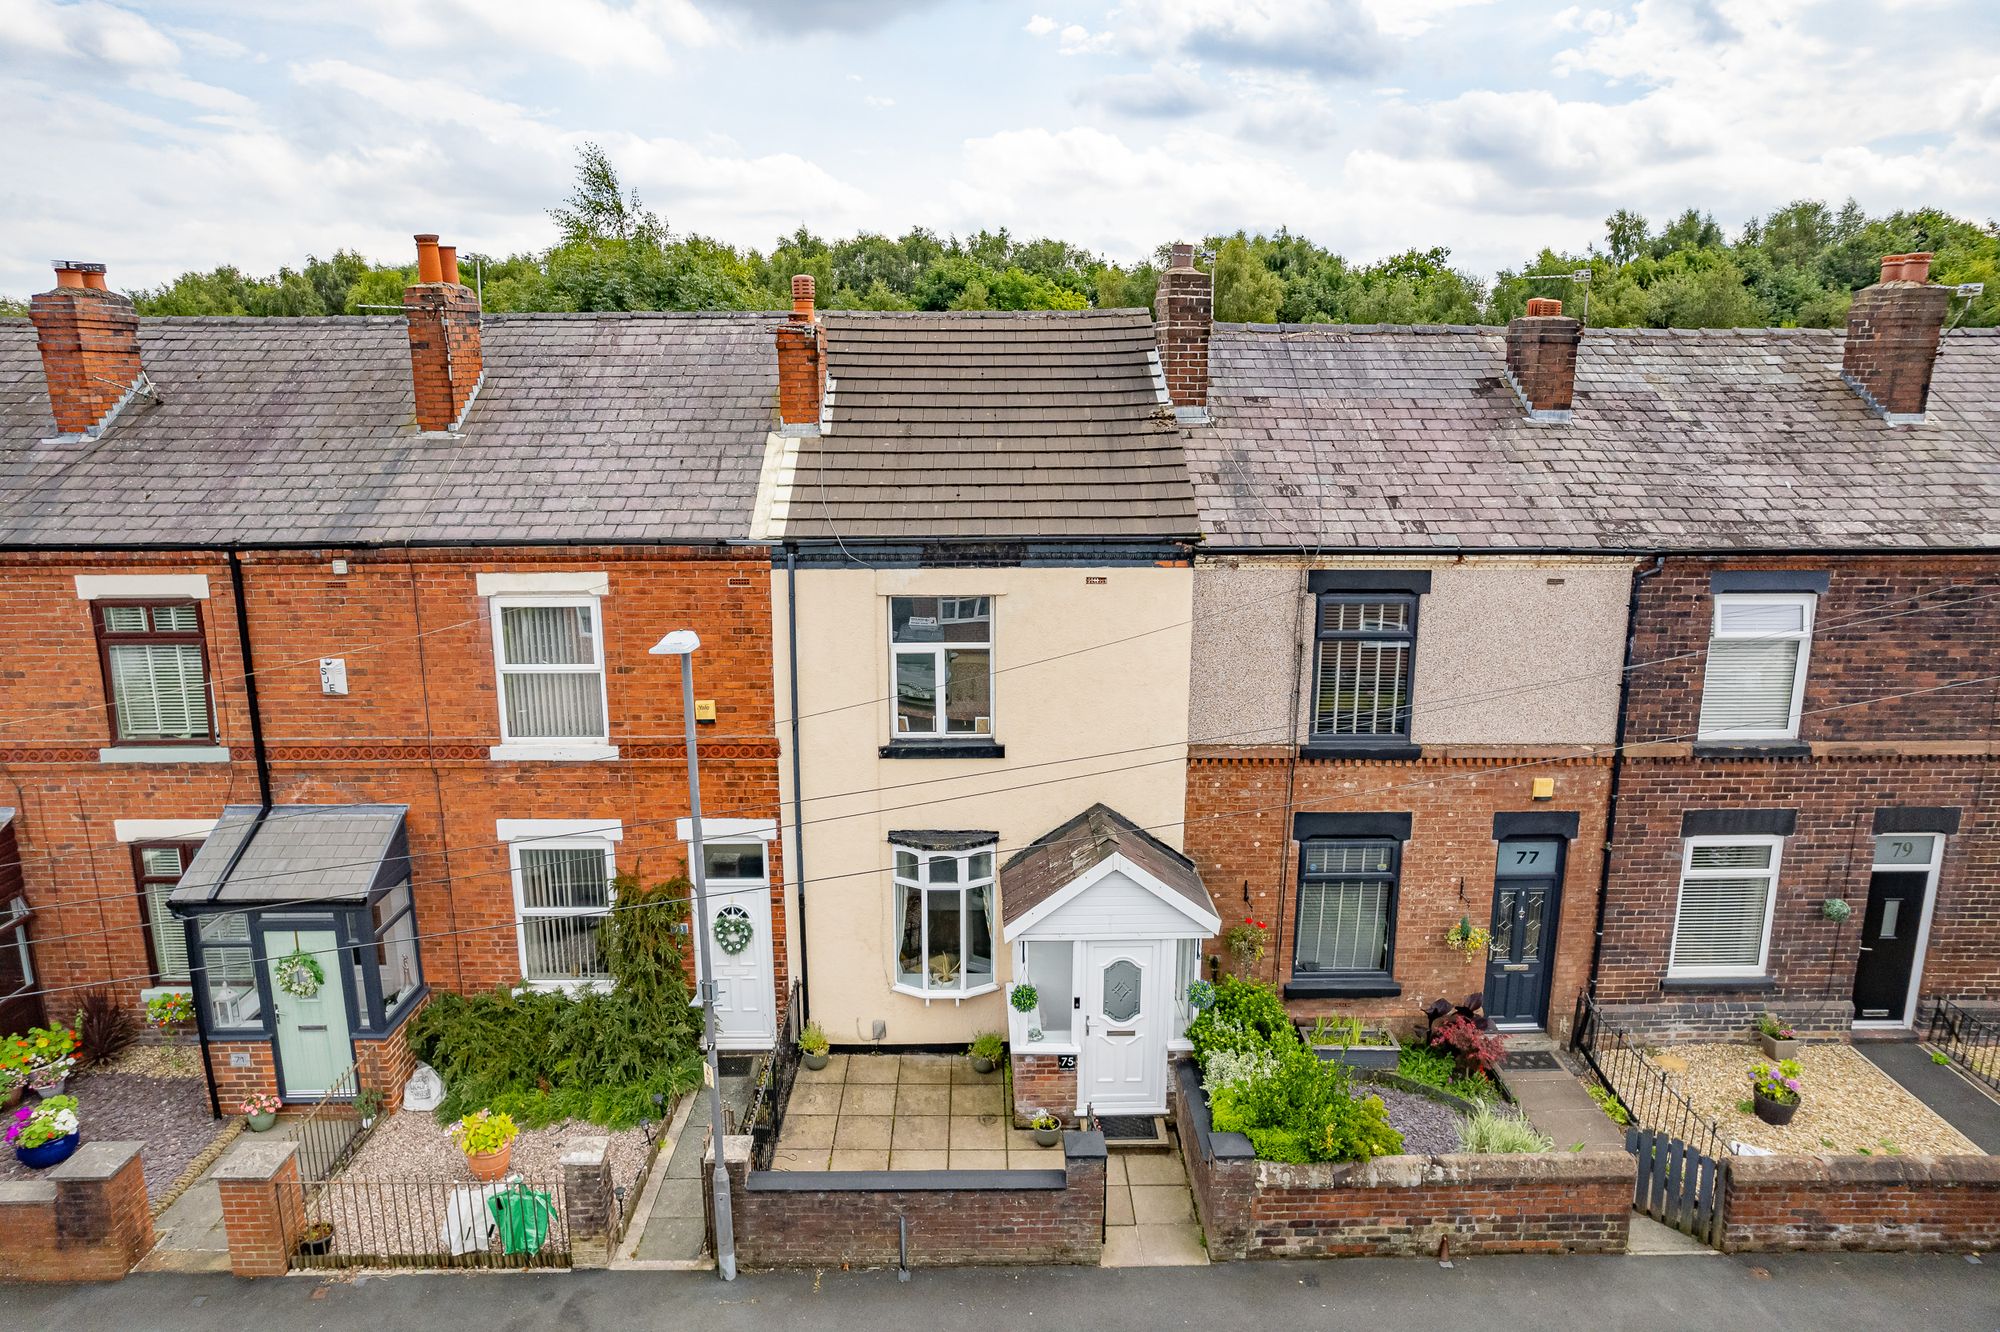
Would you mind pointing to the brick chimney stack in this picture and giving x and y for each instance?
(1183, 318)
(801, 363)
(1893, 330)
(89, 337)
(1541, 359)
(446, 365)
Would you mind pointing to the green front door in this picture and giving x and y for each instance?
(314, 1045)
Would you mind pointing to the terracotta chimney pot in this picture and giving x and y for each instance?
(448, 262)
(429, 269)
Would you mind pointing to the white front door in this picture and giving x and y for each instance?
(745, 1006)
(1125, 1031)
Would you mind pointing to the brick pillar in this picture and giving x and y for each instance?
(1541, 358)
(101, 1205)
(801, 361)
(1183, 319)
(1893, 330)
(588, 1202)
(1086, 1167)
(89, 339)
(263, 1206)
(736, 1159)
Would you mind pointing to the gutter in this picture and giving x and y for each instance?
(798, 793)
(1639, 577)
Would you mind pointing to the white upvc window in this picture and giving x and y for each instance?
(942, 666)
(944, 922)
(562, 894)
(1722, 924)
(1755, 683)
(549, 655)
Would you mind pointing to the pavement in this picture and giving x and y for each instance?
(672, 1223)
(1942, 1088)
(1555, 1102)
(1771, 1293)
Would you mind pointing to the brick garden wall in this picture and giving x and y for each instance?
(1239, 817)
(956, 1218)
(1039, 1084)
(1877, 1203)
(85, 1220)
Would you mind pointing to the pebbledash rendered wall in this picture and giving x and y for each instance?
(950, 1218)
(1556, 1202)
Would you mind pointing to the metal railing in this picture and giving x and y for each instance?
(766, 1115)
(1641, 1086)
(399, 1223)
(331, 1132)
(1970, 1041)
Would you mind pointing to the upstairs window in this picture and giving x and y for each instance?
(550, 655)
(154, 671)
(942, 651)
(562, 893)
(1755, 682)
(944, 914)
(1722, 924)
(1366, 649)
(160, 867)
(1347, 907)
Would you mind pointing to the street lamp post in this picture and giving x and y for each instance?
(682, 643)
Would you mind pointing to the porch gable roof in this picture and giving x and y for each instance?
(1065, 862)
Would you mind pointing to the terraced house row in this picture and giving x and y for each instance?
(1050, 647)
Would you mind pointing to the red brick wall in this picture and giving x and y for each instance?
(89, 1222)
(857, 1224)
(1039, 1084)
(414, 729)
(386, 1064)
(1877, 1203)
(263, 1206)
(233, 1085)
(1239, 835)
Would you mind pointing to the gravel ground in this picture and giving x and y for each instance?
(1428, 1129)
(1849, 1104)
(169, 1114)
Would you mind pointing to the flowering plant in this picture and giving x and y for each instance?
(263, 1103)
(1780, 1084)
(1468, 938)
(1246, 943)
(169, 1010)
(1776, 1030)
(41, 1058)
(39, 1125)
(482, 1131)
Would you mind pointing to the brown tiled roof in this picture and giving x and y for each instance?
(1005, 425)
(1058, 858)
(589, 427)
(1355, 437)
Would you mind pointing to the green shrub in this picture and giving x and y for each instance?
(1438, 1068)
(1303, 1109)
(1245, 1016)
(541, 1057)
(1486, 1131)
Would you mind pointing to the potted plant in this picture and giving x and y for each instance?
(13, 1085)
(1347, 1040)
(169, 1013)
(1775, 1092)
(487, 1139)
(260, 1112)
(1779, 1040)
(986, 1051)
(1467, 938)
(47, 1056)
(368, 1103)
(316, 1238)
(1201, 995)
(1246, 943)
(1047, 1129)
(45, 1134)
(813, 1046)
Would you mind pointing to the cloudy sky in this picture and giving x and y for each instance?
(157, 137)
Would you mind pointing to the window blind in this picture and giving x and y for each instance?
(549, 672)
(159, 691)
(162, 868)
(1719, 924)
(1343, 925)
(1748, 686)
(564, 879)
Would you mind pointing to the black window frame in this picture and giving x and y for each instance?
(108, 638)
(1398, 739)
(1361, 982)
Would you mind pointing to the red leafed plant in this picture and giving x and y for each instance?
(1475, 1050)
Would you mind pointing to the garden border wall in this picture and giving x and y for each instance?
(1874, 1203)
(1396, 1205)
(955, 1218)
(86, 1220)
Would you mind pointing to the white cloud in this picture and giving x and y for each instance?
(1079, 40)
(594, 34)
(1040, 25)
(1334, 37)
(872, 100)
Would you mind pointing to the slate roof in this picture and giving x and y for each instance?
(301, 853)
(1059, 857)
(589, 427)
(1003, 425)
(1351, 437)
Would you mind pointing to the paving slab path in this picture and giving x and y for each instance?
(1555, 1102)
(675, 1229)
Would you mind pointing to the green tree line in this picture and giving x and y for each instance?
(1799, 266)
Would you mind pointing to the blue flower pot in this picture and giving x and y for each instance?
(51, 1153)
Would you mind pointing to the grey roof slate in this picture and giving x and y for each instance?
(1064, 854)
(990, 425)
(1352, 437)
(588, 427)
(302, 853)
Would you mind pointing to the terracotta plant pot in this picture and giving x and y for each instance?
(488, 1166)
(1777, 1049)
(1776, 1113)
(815, 1062)
(262, 1123)
(51, 1153)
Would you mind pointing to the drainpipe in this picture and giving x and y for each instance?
(1639, 578)
(798, 794)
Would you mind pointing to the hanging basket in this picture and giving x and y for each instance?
(300, 975)
(733, 930)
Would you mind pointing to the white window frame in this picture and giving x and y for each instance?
(927, 989)
(936, 652)
(1809, 604)
(571, 748)
(528, 842)
(1688, 847)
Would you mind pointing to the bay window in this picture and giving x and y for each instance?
(944, 920)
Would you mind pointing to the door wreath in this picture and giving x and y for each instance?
(733, 929)
(300, 974)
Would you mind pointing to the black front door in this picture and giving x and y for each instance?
(1889, 944)
(1526, 891)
